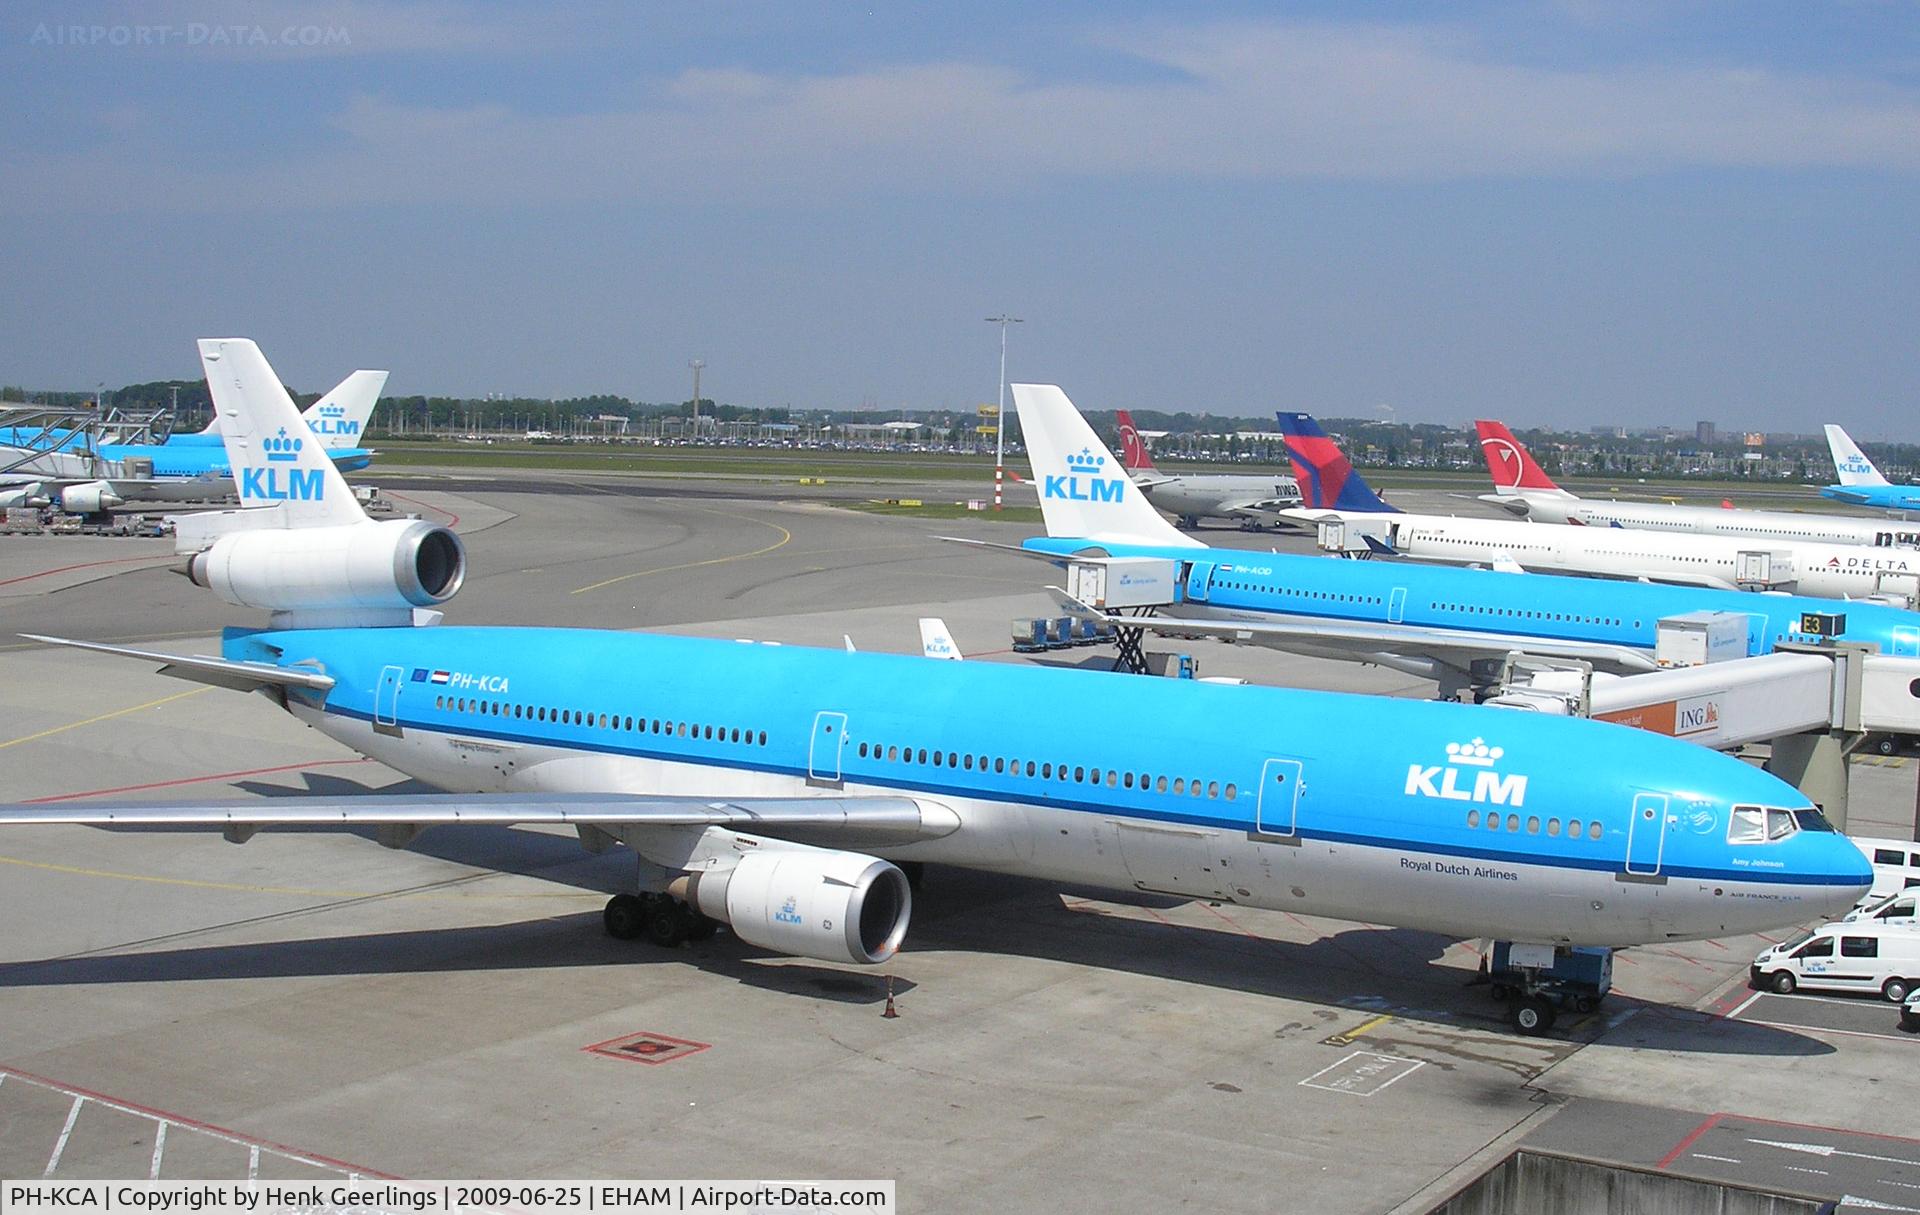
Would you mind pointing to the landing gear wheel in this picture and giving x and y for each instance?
(624, 916)
(666, 922)
(1782, 982)
(1532, 1015)
(1895, 990)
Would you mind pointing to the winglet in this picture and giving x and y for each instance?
(1327, 481)
(1852, 463)
(1511, 466)
(276, 460)
(1080, 495)
(339, 419)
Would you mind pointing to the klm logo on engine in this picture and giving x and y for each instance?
(333, 420)
(1468, 776)
(1082, 482)
(789, 913)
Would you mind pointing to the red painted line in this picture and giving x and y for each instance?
(84, 565)
(196, 1124)
(191, 780)
(1715, 944)
(1692, 1138)
(453, 520)
(1242, 929)
(1814, 1126)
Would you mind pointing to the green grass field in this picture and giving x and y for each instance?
(949, 510)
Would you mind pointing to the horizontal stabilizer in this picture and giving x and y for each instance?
(220, 672)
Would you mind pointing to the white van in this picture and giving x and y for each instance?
(1896, 864)
(1901, 909)
(1843, 957)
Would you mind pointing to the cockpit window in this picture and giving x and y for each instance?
(1812, 820)
(1768, 824)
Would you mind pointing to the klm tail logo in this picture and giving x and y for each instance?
(1855, 464)
(1467, 776)
(269, 485)
(1082, 482)
(333, 420)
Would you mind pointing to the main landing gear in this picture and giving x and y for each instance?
(660, 918)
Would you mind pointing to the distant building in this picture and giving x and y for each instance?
(1703, 432)
(1754, 438)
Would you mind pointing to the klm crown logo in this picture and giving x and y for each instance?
(269, 485)
(282, 450)
(332, 420)
(1082, 482)
(1467, 776)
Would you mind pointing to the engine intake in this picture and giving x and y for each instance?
(811, 903)
(399, 564)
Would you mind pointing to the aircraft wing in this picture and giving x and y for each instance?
(1367, 641)
(874, 820)
(221, 672)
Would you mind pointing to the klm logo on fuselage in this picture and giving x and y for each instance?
(1467, 776)
(1082, 482)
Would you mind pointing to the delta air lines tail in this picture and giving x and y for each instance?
(1327, 480)
(1084, 491)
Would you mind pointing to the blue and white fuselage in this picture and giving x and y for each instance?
(1447, 817)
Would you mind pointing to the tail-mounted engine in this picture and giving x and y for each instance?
(357, 574)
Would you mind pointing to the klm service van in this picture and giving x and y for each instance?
(1861, 956)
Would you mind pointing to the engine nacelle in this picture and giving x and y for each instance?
(396, 566)
(811, 903)
(89, 498)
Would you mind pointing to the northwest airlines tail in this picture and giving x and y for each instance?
(1327, 480)
(1855, 468)
(1133, 448)
(1513, 470)
(1083, 490)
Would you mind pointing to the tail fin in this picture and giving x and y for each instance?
(339, 419)
(1855, 468)
(1133, 448)
(276, 460)
(1511, 467)
(1080, 495)
(936, 641)
(1327, 481)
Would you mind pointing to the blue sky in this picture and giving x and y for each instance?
(1562, 214)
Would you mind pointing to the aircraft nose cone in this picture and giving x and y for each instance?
(1848, 868)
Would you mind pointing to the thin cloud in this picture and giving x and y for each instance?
(1238, 102)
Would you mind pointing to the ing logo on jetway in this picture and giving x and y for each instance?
(1082, 481)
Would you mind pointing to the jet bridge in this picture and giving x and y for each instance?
(1814, 704)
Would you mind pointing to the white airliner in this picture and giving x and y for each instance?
(1831, 571)
(1861, 483)
(1523, 487)
(1253, 502)
(773, 788)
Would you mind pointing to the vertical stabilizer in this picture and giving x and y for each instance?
(1083, 489)
(339, 419)
(1854, 467)
(1510, 465)
(1327, 480)
(1133, 448)
(276, 460)
(936, 641)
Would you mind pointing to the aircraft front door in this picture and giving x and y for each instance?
(386, 699)
(1397, 605)
(823, 750)
(1199, 581)
(1646, 834)
(1276, 810)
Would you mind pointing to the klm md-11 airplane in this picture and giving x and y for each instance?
(1447, 624)
(778, 789)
